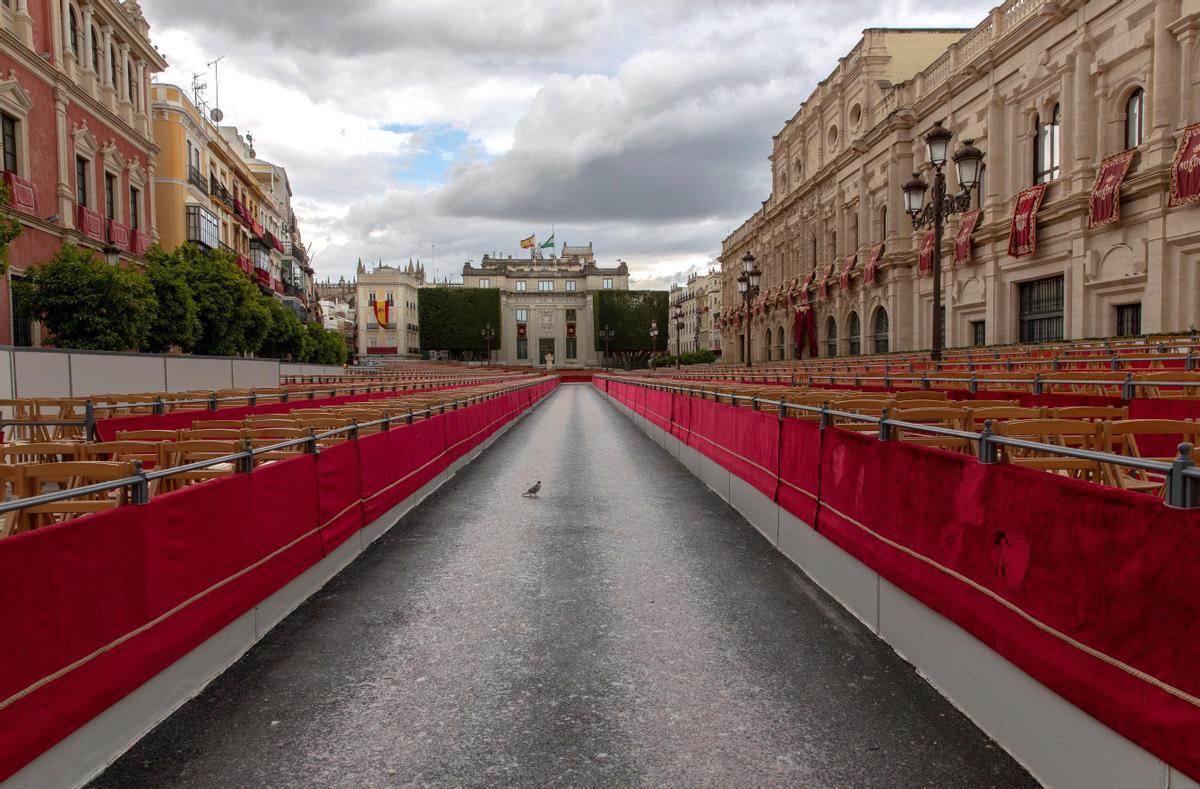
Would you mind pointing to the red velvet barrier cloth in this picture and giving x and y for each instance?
(1089, 590)
(658, 408)
(398, 463)
(1104, 204)
(96, 606)
(1022, 236)
(340, 506)
(743, 441)
(799, 461)
(1185, 171)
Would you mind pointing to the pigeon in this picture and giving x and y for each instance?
(532, 492)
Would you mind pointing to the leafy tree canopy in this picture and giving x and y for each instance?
(629, 314)
(176, 322)
(10, 227)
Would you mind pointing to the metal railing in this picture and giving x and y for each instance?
(1182, 477)
(243, 460)
(161, 406)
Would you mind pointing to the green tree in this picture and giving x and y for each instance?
(453, 319)
(629, 314)
(176, 323)
(285, 333)
(233, 318)
(88, 304)
(323, 346)
(10, 227)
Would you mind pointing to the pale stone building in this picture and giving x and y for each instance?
(385, 302)
(700, 301)
(546, 304)
(1047, 89)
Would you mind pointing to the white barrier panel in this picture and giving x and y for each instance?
(105, 373)
(185, 374)
(41, 374)
(255, 373)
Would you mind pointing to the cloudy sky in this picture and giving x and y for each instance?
(443, 130)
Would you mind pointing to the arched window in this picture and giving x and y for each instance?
(831, 337)
(112, 64)
(1134, 112)
(767, 346)
(814, 252)
(1047, 143)
(73, 23)
(780, 346)
(880, 330)
(854, 334)
(129, 84)
(883, 228)
(95, 51)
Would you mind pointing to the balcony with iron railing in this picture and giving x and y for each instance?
(218, 192)
(196, 179)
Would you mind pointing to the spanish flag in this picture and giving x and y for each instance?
(529, 243)
(381, 312)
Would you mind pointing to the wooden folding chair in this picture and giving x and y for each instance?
(10, 488)
(211, 434)
(35, 478)
(978, 416)
(47, 452)
(947, 417)
(1093, 412)
(122, 451)
(182, 453)
(216, 424)
(147, 435)
(1121, 437)
(1074, 433)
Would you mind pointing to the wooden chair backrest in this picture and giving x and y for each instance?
(1120, 436)
(44, 452)
(34, 477)
(147, 435)
(216, 424)
(922, 394)
(213, 434)
(1088, 412)
(1051, 431)
(120, 451)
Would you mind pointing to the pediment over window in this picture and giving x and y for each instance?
(13, 95)
(86, 144)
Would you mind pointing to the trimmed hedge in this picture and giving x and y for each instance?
(453, 319)
(629, 313)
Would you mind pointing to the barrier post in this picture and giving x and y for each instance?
(1183, 492)
(886, 433)
(826, 417)
(310, 446)
(973, 385)
(89, 421)
(245, 461)
(1128, 387)
(212, 401)
(140, 494)
(253, 399)
(987, 447)
(354, 429)
(160, 407)
(1037, 383)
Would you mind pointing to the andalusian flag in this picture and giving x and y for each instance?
(529, 243)
(549, 243)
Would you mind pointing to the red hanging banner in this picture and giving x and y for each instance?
(847, 267)
(1104, 206)
(962, 241)
(1022, 236)
(823, 282)
(1185, 172)
(872, 270)
(925, 258)
(806, 285)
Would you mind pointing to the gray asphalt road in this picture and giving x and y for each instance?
(626, 628)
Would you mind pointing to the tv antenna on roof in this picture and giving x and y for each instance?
(198, 87)
(217, 114)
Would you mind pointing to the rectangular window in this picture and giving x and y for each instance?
(110, 187)
(1041, 310)
(571, 316)
(521, 285)
(522, 348)
(1129, 320)
(81, 181)
(545, 285)
(485, 283)
(606, 284)
(570, 285)
(571, 348)
(135, 199)
(8, 139)
(978, 333)
(522, 316)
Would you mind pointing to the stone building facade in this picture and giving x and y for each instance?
(700, 301)
(1047, 89)
(546, 304)
(75, 136)
(385, 306)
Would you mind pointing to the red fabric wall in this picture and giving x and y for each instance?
(1090, 590)
(96, 606)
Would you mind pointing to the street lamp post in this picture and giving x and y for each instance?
(678, 316)
(748, 285)
(488, 334)
(968, 160)
(653, 338)
(606, 334)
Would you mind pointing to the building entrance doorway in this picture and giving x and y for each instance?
(545, 346)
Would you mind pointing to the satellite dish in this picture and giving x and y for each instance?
(217, 115)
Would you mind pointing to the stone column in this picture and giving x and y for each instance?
(996, 151)
(123, 72)
(66, 43)
(1186, 34)
(66, 196)
(1085, 114)
(148, 197)
(86, 55)
(865, 229)
(1164, 99)
(24, 23)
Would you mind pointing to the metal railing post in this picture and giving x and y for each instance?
(140, 494)
(387, 422)
(973, 385)
(245, 462)
(311, 447)
(1183, 492)
(213, 405)
(754, 403)
(253, 399)
(1037, 383)
(924, 381)
(410, 416)
(1190, 362)
(988, 449)
(160, 407)
(886, 432)
(89, 421)
(1128, 387)
(826, 417)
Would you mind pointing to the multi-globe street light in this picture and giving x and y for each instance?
(748, 285)
(606, 334)
(488, 334)
(678, 316)
(968, 161)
